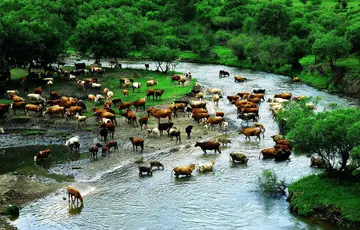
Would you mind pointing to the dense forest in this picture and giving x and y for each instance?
(314, 38)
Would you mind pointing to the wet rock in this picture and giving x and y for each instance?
(174, 150)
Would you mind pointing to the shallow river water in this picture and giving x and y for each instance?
(223, 199)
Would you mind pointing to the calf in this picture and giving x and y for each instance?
(156, 164)
(209, 146)
(137, 142)
(206, 167)
(153, 132)
(145, 169)
(143, 121)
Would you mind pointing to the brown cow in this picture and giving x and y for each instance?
(215, 120)
(283, 95)
(175, 78)
(150, 92)
(55, 110)
(248, 132)
(38, 90)
(257, 95)
(131, 117)
(116, 101)
(158, 113)
(112, 144)
(183, 170)
(143, 121)
(145, 169)
(209, 146)
(158, 93)
(268, 153)
(125, 92)
(219, 114)
(232, 98)
(43, 154)
(18, 106)
(137, 142)
(297, 80)
(75, 109)
(74, 194)
(198, 116)
(124, 105)
(54, 95)
(34, 108)
(151, 83)
(239, 79)
(317, 162)
(199, 110)
(139, 103)
(156, 164)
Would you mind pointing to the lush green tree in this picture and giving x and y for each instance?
(31, 33)
(353, 36)
(296, 49)
(237, 45)
(332, 135)
(298, 27)
(272, 52)
(273, 19)
(331, 47)
(270, 185)
(163, 55)
(303, 2)
(102, 35)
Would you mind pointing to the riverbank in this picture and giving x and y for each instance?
(326, 199)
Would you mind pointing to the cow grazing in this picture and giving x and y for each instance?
(198, 116)
(124, 105)
(150, 93)
(248, 132)
(55, 110)
(232, 98)
(139, 103)
(74, 194)
(105, 151)
(136, 141)
(188, 130)
(209, 146)
(175, 78)
(145, 169)
(183, 170)
(238, 157)
(174, 132)
(43, 154)
(156, 164)
(151, 83)
(219, 114)
(158, 93)
(206, 167)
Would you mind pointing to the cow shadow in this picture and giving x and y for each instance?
(75, 208)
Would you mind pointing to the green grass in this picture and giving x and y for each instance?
(317, 81)
(226, 56)
(315, 192)
(16, 74)
(189, 55)
(5, 101)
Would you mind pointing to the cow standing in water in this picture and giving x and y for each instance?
(74, 194)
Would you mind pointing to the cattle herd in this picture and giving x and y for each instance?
(246, 104)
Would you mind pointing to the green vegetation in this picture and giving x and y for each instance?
(269, 184)
(327, 198)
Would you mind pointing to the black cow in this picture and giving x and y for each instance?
(165, 126)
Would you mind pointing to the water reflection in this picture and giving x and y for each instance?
(75, 208)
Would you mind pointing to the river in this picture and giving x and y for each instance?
(223, 199)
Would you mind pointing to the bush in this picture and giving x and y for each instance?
(269, 185)
(288, 3)
(12, 211)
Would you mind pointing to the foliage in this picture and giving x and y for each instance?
(331, 47)
(315, 194)
(332, 135)
(161, 55)
(353, 36)
(269, 184)
(93, 35)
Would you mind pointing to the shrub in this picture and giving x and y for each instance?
(269, 185)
